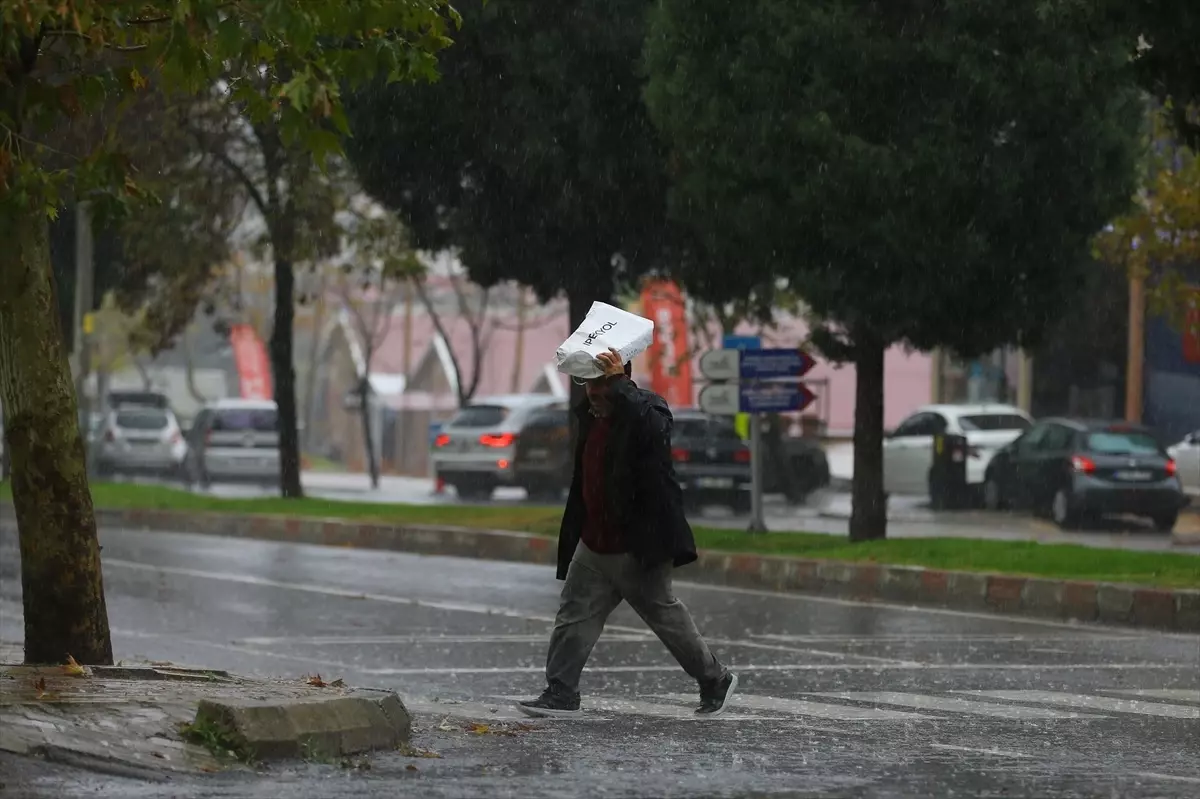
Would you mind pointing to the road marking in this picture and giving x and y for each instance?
(953, 704)
(1154, 775)
(636, 707)
(996, 752)
(801, 707)
(938, 637)
(992, 617)
(1176, 694)
(335, 640)
(784, 667)
(1094, 702)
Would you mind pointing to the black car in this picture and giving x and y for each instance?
(1074, 469)
(542, 462)
(712, 462)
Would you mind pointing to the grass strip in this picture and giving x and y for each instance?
(1063, 561)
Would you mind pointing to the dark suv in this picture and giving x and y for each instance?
(542, 463)
(712, 463)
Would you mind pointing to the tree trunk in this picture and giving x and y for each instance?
(62, 586)
(284, 371)
(868, 519)
(364, 398)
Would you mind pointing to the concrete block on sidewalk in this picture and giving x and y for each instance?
(314, 728)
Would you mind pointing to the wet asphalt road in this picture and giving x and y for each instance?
(838, 698)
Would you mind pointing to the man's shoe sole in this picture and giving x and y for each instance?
(545, 713)
(733, 684)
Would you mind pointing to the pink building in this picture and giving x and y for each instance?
(419, 376)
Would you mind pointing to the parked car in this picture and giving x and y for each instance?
(1075, 469)
(908, 451)
(542, 461)
(712, 463)
(475, 450)
(1187, 461)
(137, 439)
(234, 440)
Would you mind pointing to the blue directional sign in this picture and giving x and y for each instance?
(768, 364)
(774, 397)
(741, 343)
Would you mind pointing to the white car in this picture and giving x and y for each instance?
(908, 451)
(1187, 462)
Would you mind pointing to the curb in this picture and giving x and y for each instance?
(316, 728)
(1176, 610)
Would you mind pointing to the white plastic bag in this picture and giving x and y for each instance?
(602, 328)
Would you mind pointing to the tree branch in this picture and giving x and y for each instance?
(423, 295)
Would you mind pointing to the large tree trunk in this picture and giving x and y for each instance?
(868, 519)
(62, 587)
(284, 372)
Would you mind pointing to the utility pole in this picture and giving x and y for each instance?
(1135, 363)
(85, 278)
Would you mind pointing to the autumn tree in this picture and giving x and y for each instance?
(921, 173)
(58, 60)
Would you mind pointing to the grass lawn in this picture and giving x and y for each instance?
(1010, 557)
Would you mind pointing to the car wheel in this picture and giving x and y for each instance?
(1165, 522)
(993, 495)
(1062, 510)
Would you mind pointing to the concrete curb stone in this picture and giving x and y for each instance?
(314, 729)
(1140, 606)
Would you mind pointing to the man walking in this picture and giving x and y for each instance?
(623, 531)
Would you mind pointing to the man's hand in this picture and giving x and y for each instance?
(610, 362)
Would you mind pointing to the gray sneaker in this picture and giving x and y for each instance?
(714, 698)
(555, 702)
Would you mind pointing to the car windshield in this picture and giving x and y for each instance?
(994, 421)
(142, 419)
(245, 420)
(1120, 442)
(480, 416)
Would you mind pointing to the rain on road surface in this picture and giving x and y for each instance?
(837, 698)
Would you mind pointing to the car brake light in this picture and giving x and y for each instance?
(497, 439)
(741, 456)
(1083, 464)
(442, 440)
(1171, 468)
(679, 454)
(502, 463)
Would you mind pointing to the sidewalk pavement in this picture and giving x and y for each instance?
(160, 718)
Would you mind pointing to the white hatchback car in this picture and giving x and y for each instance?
(1187, 461)
(908, 451)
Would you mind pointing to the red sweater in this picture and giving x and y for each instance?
(599, 535)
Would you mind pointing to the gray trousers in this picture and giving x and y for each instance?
(594, 588)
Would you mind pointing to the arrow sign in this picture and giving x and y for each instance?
(774, 397)
(731, 364)
(768, 364)
(728, 399)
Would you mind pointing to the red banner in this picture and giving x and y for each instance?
(250, 356)
(670, 360)
(1191, 329)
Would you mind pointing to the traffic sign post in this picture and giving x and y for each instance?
(752, 380)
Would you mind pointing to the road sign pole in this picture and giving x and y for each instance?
(757, 525)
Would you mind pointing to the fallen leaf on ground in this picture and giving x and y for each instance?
(316, 682)
(479, 729)
(411, 767)
(339, 683)
(40, 687)
(161, 663)
(159, 755)
(73, 669)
